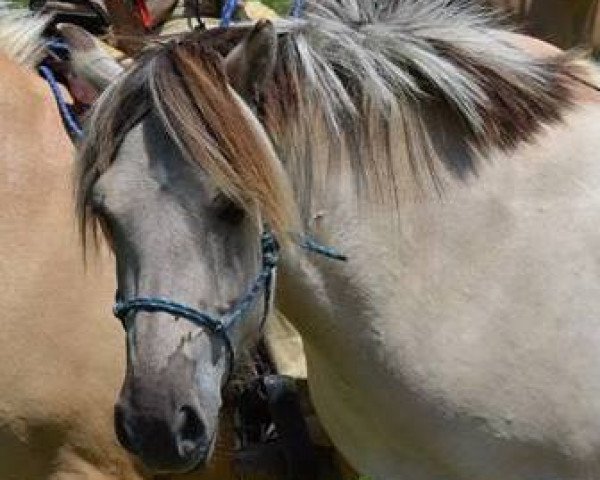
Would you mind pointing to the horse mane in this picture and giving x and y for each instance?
(21, 34)
(380, 89)
(399, 87)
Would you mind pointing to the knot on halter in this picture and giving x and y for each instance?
(270, 250)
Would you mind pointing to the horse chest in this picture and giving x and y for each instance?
(400, 434)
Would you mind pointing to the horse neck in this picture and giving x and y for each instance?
(312, 289)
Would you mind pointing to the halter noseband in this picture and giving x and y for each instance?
(221, 324)
(215, 324)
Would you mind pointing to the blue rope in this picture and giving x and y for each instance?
(69, 118)
(297, 8)
(310, 244)
(59, 47)
(227, 12)
(220, 325)
(156, 304)
(215, 324)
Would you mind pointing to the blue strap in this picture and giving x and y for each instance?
(216, 325)
(264, 280)
(229, 7)
(220, 325)
(227, 12)
(297, 7)
(156, 304)
(310, 244)
(59, 47)
(67, 115)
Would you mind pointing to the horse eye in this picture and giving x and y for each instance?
(227, 210)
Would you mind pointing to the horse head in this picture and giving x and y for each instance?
(185, 220)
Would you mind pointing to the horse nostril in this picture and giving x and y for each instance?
(191, 432)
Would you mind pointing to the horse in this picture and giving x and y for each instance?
(59, 356)
(411, 185)
(57, 387)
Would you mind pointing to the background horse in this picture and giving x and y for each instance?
(60, 357)
(457, 173)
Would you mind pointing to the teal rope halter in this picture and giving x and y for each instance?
(221, 325)
(69, 118)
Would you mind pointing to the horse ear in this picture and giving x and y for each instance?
(89, 60)
(250, 64)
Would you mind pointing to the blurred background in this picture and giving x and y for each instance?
(565, 23)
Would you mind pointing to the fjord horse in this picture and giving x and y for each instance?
(457, 337)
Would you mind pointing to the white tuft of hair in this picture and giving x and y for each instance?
(21, 34)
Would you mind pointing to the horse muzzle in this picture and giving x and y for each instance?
(175, 443)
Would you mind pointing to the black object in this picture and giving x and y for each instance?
(273, 431)
(86, 13)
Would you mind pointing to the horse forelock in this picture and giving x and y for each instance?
(185, 85)
(21, 34)
(366, 86)
(218, 131)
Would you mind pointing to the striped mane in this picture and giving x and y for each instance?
(380, 89)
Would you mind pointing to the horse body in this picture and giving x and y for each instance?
(459, 342)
